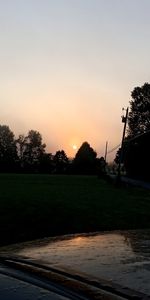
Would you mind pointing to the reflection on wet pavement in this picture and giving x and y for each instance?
(122, 257)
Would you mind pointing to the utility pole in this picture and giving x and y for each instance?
(106, 151)
(124, 120)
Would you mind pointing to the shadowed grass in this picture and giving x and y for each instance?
(33, 206)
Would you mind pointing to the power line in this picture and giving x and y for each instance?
(113, 149)
(136, 136)
(128, 140)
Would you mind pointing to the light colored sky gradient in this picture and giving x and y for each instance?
(67, 67)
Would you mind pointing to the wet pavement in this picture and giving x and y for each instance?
(121, 257)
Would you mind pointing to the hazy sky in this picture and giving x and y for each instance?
(67, 67)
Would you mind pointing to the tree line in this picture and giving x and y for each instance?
(27, 154)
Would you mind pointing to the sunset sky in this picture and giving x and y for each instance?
(67, 67)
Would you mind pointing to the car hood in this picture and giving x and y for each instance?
(110, 264)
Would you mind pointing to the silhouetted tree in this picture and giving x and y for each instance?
(101, 166)
(137, 159)
(33, 150)
(21, 143)
(46, 164)
(118, 153)
(139, 115)
(136, 147)
(133, 156)
(8, 153)
(85, 160)
(117, 157)
(61, 161)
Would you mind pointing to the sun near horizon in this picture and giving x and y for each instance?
(74, 147)
(68, 68)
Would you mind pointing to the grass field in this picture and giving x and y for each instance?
(33, 206)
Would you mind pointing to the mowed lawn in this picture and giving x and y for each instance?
(34, 206)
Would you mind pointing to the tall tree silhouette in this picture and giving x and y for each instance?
(61, 161)
(46, 164)
(85, 159)
(21, 143)
(139, 115)
(136, 145)
(8, 153)
(33, 150)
